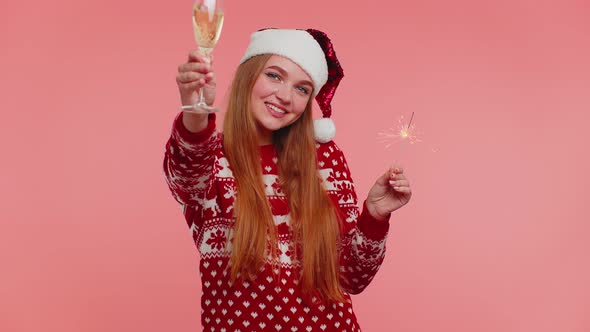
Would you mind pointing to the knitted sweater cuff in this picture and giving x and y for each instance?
(197, 137)
(371, 227)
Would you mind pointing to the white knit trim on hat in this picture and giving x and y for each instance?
(298, 46)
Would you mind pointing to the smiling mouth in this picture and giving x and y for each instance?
(275, 108)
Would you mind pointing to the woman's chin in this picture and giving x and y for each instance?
(272, 125)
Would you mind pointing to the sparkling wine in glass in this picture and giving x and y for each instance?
(207, 24)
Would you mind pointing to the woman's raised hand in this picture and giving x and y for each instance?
(197, 72)
(390, 192)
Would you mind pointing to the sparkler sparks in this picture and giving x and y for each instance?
(402, 133)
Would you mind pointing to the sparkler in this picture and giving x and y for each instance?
(402, 135)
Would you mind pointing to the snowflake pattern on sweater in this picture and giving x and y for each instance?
(200, 179)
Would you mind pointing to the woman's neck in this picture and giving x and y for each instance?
(264, 136)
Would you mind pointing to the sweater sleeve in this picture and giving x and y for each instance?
(363, 238)
(189, 159)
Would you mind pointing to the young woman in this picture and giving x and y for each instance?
(270, 201)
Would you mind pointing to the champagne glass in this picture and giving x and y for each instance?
(207, 24)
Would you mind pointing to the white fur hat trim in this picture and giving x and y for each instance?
(298, 46)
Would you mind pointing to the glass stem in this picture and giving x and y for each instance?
(201, 97)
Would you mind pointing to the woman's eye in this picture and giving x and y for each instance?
(304, 90)
(273, 76)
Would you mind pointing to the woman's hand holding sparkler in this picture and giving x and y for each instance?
(390, 192)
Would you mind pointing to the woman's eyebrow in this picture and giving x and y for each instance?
(284, 73)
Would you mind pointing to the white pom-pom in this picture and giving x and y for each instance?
(324, 130)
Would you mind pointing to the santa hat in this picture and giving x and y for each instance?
(313, 51)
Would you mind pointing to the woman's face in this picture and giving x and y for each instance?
(279, 96)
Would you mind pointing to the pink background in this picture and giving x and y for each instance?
(495, 237)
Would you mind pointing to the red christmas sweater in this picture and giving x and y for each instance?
(201, 180)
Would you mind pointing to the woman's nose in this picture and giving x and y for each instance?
(283, 94)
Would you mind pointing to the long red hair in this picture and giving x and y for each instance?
(314, 218)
